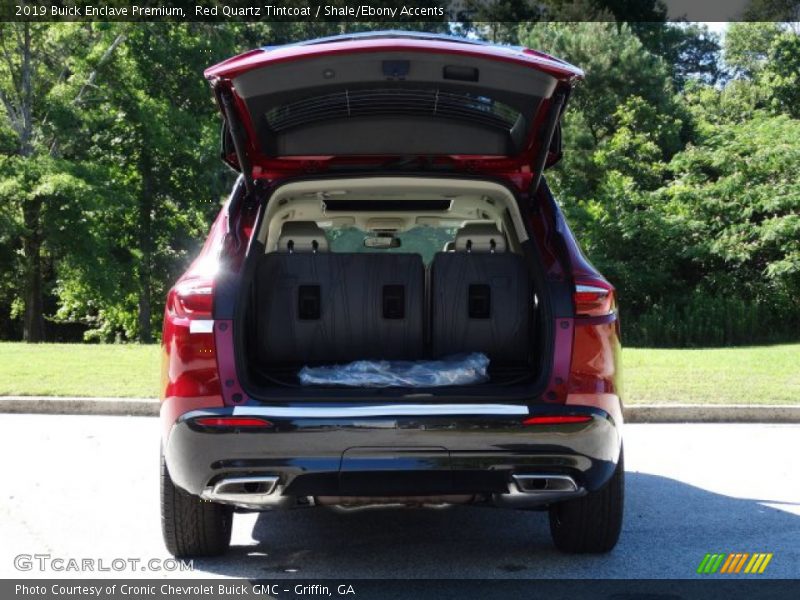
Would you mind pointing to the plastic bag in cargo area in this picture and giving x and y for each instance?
(460, 369)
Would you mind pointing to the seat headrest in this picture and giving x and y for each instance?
(480, 237)
(302, 236)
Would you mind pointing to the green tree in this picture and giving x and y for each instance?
(499, 21)
(623, 226)
(37, 89)
(781, 76)
(738, 189)
(154, 125)
(747, 47)
(617, 67)
(689, 50)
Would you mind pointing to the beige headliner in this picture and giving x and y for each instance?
(471, 201)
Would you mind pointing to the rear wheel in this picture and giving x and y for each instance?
(592, 523)
(190, 525)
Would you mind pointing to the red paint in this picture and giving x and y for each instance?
(173, 407)
(596, 350)
(607, 402)
(562, 359)
(587, 350)
(231, 389)
(255, 59)
(189, 372)
(189, 359)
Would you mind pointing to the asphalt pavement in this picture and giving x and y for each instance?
(86, 487)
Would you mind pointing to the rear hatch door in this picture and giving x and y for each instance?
(382, 99)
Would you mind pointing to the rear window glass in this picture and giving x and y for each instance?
(425, 241)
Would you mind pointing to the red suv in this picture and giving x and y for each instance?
(391, 212)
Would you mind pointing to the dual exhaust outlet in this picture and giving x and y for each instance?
(248, 492)
(263, 491)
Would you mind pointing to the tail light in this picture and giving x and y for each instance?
(593, 299)
(193, 299)
(593, 373)
(556, 419)
(233, 422)
(189, 341)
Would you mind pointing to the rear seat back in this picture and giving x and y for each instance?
(302, 236)
(315, 306)
(480, 298)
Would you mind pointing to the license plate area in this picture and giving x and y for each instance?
(389, 471)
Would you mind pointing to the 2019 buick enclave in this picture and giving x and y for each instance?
(391, 207)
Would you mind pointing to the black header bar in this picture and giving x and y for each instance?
(399, 11)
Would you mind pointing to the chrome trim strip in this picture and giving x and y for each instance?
(591, 288)
(385, 410)
(201, 326)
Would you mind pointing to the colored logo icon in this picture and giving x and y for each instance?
(735, 562)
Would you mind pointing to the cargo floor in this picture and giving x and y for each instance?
(287, 375)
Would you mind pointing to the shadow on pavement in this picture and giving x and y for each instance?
(669, 526)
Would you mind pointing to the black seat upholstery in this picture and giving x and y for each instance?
(480, 298)
(315, 306)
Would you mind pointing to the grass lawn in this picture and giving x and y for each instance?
(763, 375)
(79, 370)
(750, 375)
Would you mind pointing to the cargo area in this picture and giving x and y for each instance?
(391, 269)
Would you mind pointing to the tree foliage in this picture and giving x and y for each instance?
(679, 173)
(683, 190)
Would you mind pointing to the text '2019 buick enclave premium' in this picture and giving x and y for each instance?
(390, 307)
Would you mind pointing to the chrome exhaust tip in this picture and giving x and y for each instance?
(534, 490)
(251, 492)
(545, 484)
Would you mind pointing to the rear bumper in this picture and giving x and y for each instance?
(350, 451)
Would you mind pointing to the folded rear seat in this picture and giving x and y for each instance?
(313, 306)
(480, 298)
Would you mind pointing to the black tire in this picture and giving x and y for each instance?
(592, 523)
(190, 525)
